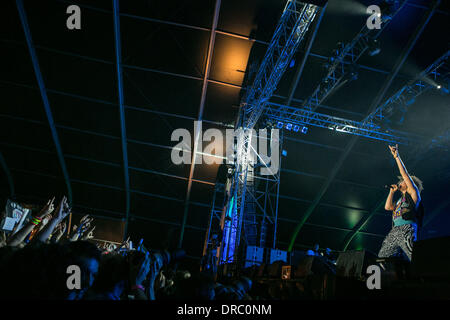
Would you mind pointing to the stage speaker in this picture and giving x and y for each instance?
(354, 263)
(278, 255)
(254, 256)
(431, 258)
(316, 265)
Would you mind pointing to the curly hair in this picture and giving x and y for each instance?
(416, 180)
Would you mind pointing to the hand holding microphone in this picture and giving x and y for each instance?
(392, 187)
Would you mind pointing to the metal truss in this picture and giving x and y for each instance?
(123, 129)
(253, 221)
(438, 70)
(45, 101)
(197, 138)
(291, 29)
(341, 67)
(293, 117)
(242, 204)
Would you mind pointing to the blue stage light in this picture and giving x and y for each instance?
(289, 126)
(304, 130)
(280, 124)
(296, 128)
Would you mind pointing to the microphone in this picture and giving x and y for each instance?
(387, 186)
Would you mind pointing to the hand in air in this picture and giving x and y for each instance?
(89, 234)
(394, 150)
(62, 210)
(47, 209)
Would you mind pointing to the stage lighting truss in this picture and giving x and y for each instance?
(290, 31)
(426, 80)
(344, 58)
(292, 127)
(288, 117)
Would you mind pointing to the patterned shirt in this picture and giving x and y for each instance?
(401, 207)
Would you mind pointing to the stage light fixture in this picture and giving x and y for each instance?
(304, 130)
(296, 128)
(438, 87)
(289, 126)
(280, 125)
(374, 47)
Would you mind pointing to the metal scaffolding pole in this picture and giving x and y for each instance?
(197, 139)
(290, 31)
(41, 84)
(123, 127)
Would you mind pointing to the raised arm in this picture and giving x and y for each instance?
(411, 187)
(20, 235)
(60, 213)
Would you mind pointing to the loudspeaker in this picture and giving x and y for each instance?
(354, 263)
(310, 265)
(254, 256)
(431, 258)
(277, 255)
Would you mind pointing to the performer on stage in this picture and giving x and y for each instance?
(407, 212)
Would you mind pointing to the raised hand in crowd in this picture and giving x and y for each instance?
(39, 220)
(59, 232)
(85, 224)
(61, 212)
(89, 234)
(140, 267)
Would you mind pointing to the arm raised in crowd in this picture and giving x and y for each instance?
(60, 213)
(20, 235)
(85, 223)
